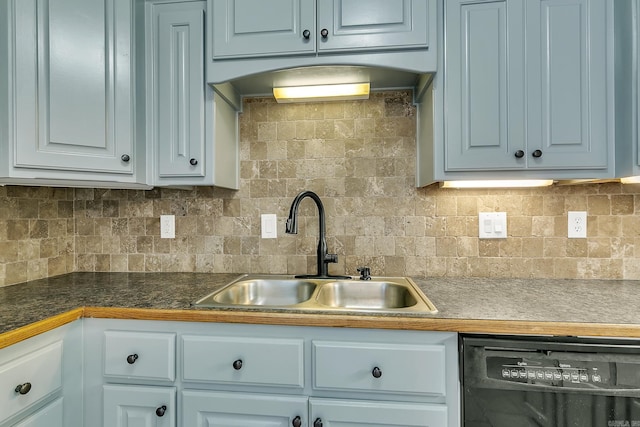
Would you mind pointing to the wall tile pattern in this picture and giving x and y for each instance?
(36, 233)
(359, 156)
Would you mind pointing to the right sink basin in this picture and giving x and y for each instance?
(366, 294)
(381, 295)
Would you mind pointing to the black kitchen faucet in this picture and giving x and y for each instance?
(324, 258)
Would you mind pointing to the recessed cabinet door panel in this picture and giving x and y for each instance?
(226, 409)
(73, 85)
(484, 86)
(181, 90)
(139, 406)
(567, 91)
(262, 28)
(373, 24)
(353, 413)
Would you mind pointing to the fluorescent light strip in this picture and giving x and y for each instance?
(518, 183)
(631, 180)
(339, 92)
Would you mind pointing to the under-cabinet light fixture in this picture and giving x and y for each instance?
(631, 180)
(517, 183)
(339, 92)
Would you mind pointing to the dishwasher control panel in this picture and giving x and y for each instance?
(564, 373)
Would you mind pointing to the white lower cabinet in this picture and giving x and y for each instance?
(139, 406)
(49, 416)
(224, 409)
(40, 380)
(352, 413)
(231, 375)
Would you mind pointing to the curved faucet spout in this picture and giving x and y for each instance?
(292, 228)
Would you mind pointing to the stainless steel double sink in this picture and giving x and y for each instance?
(380, 294)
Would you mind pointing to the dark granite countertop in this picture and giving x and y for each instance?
(537, 300)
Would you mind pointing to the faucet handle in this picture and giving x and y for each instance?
(333, 258)
(365, 273)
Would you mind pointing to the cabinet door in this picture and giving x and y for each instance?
(262, 28)
(374, 24)
(228, 409)
(179, 111)
(484, 85)
(49, 416)
(352, 413)
(567, 83)
(137, 406)
(73, 89)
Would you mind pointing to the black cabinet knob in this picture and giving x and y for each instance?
(324, 33)
(297, 422)
(237, 365)
(519, 154)
(193, 162)
(306, 34)
(317, 423)
(131, 359)
(161, 410)
(537, 154)
(125, 158)
(23, 388)
(377, 373)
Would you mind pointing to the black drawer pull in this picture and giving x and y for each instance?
(23, 388)
(161, 410)
(131, 359)
(377, 373)
(237, 365)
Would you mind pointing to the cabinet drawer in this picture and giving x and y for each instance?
(256, 361)
(140, 355)
(49, 416)
(379, 367)
(40, 372)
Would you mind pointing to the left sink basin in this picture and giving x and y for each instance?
(261, 292)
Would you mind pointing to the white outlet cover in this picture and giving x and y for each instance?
(492, 225)
(577, 224)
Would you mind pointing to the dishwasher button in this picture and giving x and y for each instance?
(506, 373)
(566, 376)
(575, 377)
(557, 376)
(548, 375)
(584, 378)
(531, 375)
(596, 378)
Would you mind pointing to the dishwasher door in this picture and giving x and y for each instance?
(527, 382)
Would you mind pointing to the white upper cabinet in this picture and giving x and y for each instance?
(192, 131)
(253, 36)
(70, 75)
(526, 91)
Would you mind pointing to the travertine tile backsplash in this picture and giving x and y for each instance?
(360, 158)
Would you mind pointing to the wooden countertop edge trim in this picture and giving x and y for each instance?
(37, 328)
(515, 327)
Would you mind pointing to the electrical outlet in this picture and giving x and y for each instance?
(167, 226)
(577, 224)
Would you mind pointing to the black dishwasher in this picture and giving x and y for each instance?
(550, 381)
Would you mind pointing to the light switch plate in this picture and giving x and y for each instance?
(492, 225)
(167, 226)
(269, 227)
